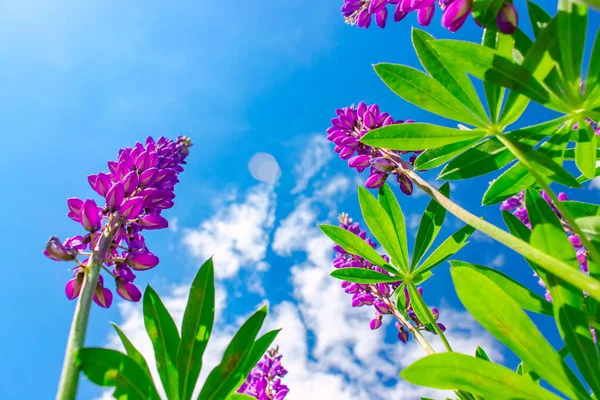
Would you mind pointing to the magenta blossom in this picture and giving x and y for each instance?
(264, 381)
(136, 189)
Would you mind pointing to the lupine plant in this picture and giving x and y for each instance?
(136, 189)
(559, 239)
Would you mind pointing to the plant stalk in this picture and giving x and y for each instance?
(69, 379)
(547, 263)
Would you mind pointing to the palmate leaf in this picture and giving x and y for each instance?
(425, 92)
(491, 155)
(165, 340)
(196, 328)
(230, 372)
(502, 316)
(527, 299)
(432, 158)
(382, 227)
(364, 276)
(111, 368)
(452, 78)
(390, 204)
(417, 136)
(431, 223)
(455, 371)
(548, 235)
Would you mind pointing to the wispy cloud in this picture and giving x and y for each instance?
(316, 155)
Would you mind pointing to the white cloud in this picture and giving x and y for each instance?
(174, 224)
(238, 233)
(497, 261)
(317, 154)
(595, 183)
(481, 237)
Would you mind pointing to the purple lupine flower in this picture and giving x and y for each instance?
(516, 205)
(137, 188)
(360, 12)
(350, 125)
(455, 14)
(507, 19)
(379, 295)
(264, 381)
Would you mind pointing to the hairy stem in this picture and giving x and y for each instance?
(67, 388)
(547, 263)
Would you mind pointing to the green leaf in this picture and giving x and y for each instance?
(491, 155)
(548, 235)
(572, 24)
(455, 371)
(224, 377)
(480, 353)
(390, 204)
(196, 328)
(355, 245)
(579, 209)
(502, 316)
(433, 158)
(570, 154)
(590, 227)
(485, 11)
(516, 227)
(132, 352)
(259, 348)
(418, 279)
(447, 249)
(453, 79)
(431, 223)
(425, 92)
(524, 297)
(591, 83)
(517, 177)
(165, 340)
(417, 136)
(493, 93)
(486, 64)
(239, 396)
(538, 17)
(363, 275)
(585, 150)
(421, 310)
(111, 368)
(382, 227)
(539, 62)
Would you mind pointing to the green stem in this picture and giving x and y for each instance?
(547, 263)
(557, 203)
(67, 388)
(426, 309)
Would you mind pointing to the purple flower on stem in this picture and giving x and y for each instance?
(507, 19)
(455, 14)
(264, 381)
(379, 295)
(137, 188)
(346, 130)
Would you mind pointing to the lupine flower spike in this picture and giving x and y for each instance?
(379, 296)
(136, 188)
(350, 125)
(264, 381)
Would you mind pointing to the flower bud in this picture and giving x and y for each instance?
(375, 180)
(375, 323)
(425, 14)
(456, 13)
(402, 335)
(128, 290)
(507, 19)
(115, 196)
(406, 185)
(74, 205)
(131, 208)
(73, 287)
(56, 251)
(359, 161)
(130, 182)
(576, 241)
(90, 216)
(384, 289)
(383, 164)
(435, 312)
(381, 307)
(103, 297)
(153, 221)
(141, 261)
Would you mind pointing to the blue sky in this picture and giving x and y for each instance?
(81, 80)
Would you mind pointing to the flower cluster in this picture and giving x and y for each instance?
(346, 130)
(455, 13)
(264, 381)
(380, 295)
(516, 205)
(137, 188)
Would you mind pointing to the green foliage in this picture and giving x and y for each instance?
(179, 360)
